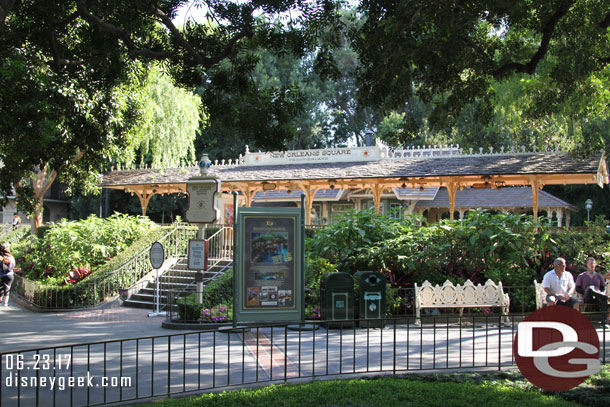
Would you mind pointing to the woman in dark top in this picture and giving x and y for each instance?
(7, 264)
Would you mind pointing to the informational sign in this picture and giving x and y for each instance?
(371, 153)
(202, 200)
(196, 255)
(156, 255)
(269, 276)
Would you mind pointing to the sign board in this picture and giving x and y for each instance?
(371, 153)
(202, 200)
(156, 255)
(196, 255)
(269, 276)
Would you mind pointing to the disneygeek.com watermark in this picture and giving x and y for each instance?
(66, 382)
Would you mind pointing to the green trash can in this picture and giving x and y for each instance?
(337, 300)
(370, 287)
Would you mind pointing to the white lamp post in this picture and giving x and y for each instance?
(588, 207)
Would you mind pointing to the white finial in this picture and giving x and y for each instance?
(460, 151)
(480, 150)
(230, 161)
(523, 149)
(215, 162)
(470, 150)
(491, 150)
(247, 149)
(223, 161)
(502, 149)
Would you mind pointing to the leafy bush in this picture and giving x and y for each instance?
(89, 242)
(315, 268)
(513, 249)
(189, 309)
(216, 294)
(219, 291)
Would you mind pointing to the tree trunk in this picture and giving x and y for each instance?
(41, 184)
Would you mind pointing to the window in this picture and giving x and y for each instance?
(316, 214)
(395, 210)
(337, 211)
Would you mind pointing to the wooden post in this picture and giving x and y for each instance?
(451, 190)
(144, 200)
(310, 193)
(377, 190)
(535, 185)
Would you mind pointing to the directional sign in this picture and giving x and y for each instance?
(157, 255)
(202, 200)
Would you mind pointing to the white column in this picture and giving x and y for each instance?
(559, 217)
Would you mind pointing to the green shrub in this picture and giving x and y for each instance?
(507, 248)
(219, 291)
(189, 309)
(89, 242)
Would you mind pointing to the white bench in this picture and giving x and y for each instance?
(463, 296)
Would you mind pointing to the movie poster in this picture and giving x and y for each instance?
(269, 262)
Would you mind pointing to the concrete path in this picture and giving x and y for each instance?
(23, 329)
(163, 362)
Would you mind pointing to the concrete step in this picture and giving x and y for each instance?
(177, 279)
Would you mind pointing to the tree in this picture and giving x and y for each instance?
(61, 64)
(449, 54)
(167, 125)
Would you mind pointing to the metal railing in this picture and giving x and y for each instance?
(220, 246)
(99, 287)
(160, 366)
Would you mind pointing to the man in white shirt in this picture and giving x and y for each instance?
(560, 286)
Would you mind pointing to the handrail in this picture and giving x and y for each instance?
(220, 246)
(95, 290)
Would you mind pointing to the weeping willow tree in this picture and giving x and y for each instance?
(168, 124)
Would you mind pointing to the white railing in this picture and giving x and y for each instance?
(220, 246)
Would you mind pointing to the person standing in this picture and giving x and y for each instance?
(592, 285)
(16, 220)
(559, 286)
(7, 265)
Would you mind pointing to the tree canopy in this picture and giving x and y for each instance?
(299, 73)
(449, 54)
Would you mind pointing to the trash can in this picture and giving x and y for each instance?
(370, 287)
(337, 300)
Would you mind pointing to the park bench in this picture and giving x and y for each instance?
(541, 296)
(459, 296)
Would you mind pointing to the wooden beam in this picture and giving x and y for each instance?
(144, 199)
(535, 184)
(377, 190)
(310, 193)
(451, 189)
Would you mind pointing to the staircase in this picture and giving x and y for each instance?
(178, 279)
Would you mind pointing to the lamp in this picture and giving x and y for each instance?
(588, 207)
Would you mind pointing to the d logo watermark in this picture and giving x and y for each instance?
(556, 348)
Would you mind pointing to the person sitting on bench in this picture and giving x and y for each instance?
(559, 286)
(591, 285)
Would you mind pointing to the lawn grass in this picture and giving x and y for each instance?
(497, 389)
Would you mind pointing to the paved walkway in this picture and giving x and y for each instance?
(24, 329)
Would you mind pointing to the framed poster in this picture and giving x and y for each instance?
(269, 275)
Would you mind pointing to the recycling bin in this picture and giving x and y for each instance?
(370, 289)
(337, 300)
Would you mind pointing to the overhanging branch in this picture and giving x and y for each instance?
(547, 33)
